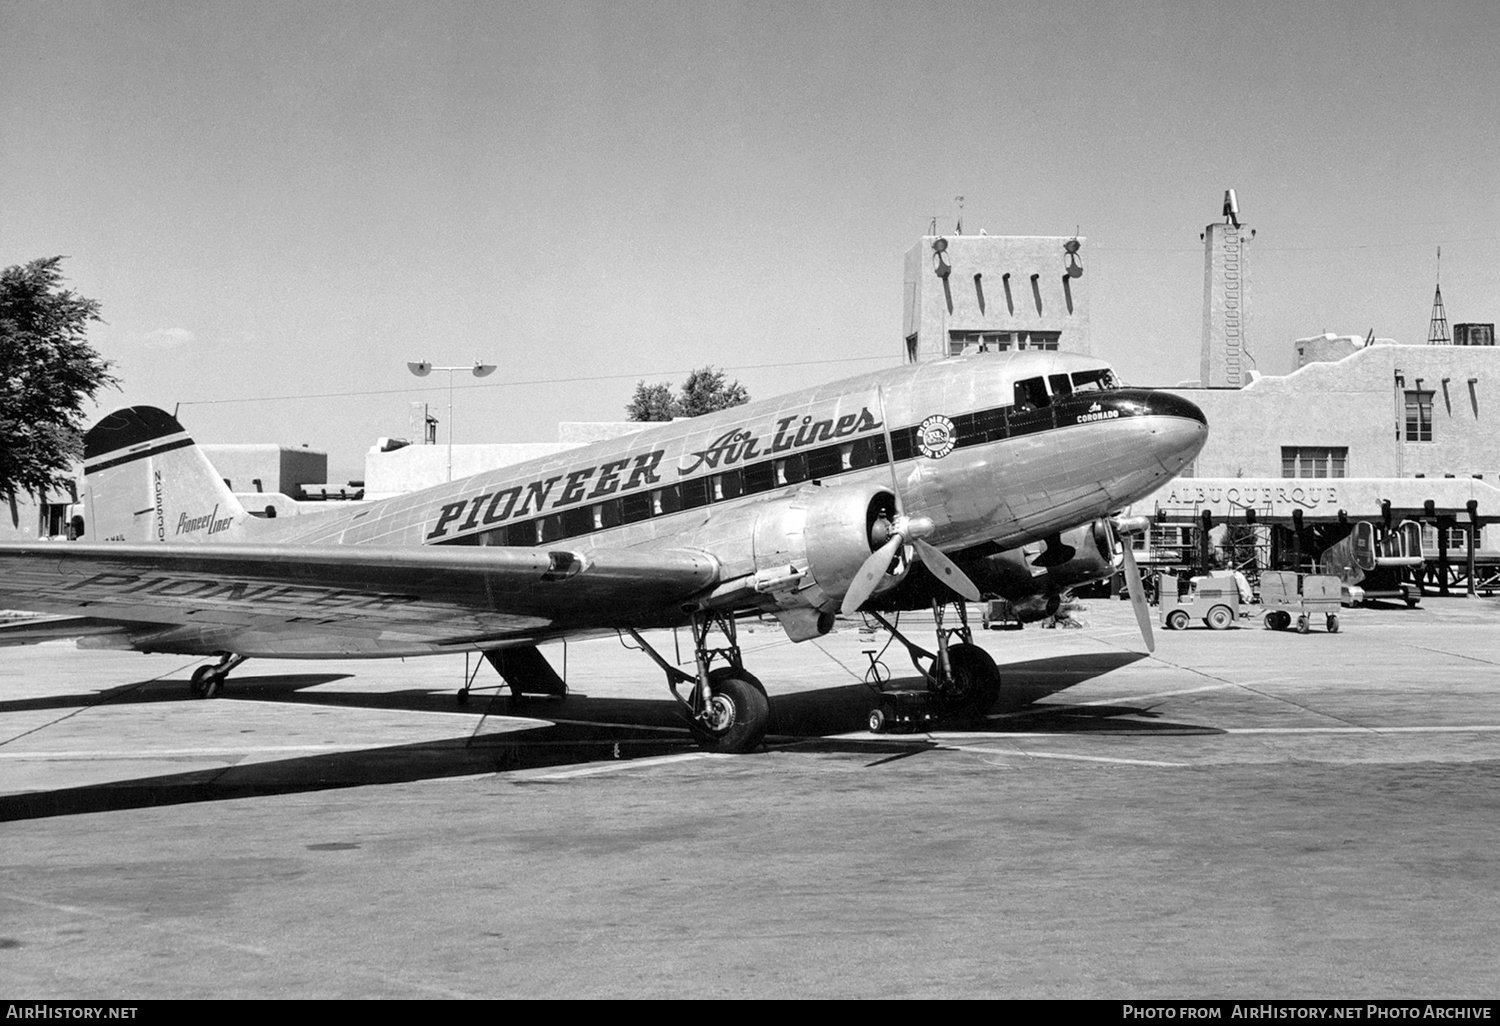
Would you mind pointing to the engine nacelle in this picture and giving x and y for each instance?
(1036, 571)
(809, 548)
(1035, 576)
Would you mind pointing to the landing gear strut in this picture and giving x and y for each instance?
(207, 680)
(962, 679)
(727, 709)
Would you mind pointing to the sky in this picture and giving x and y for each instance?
(279, 205)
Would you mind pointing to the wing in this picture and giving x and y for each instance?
(325, 601)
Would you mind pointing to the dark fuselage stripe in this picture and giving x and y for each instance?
(817, 464)
(155, 450)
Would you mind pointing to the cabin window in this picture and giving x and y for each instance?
(792, 469)
(635, 507)
(549, 528)
(729, 485)
(609, 513)
(666, 500)
(759, 477)
(825, 462)
(695, 493)
(578, 520)
(867, 452)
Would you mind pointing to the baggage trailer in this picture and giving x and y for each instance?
(1288, 597)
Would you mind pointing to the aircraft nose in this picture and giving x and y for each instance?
(1166, 404)
(1179, 427)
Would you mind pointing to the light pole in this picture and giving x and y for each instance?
(422, 368)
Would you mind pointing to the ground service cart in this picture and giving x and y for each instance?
(1214, 600)
(1289, 598)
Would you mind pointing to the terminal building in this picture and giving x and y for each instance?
(1364, 429)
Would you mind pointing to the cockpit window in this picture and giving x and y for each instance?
(1031, 394)
(1094, 380)
(1060, 384)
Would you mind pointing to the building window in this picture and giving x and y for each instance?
(960, 341)
(1047, 340)
(1314, 461)
(980, 341)
(1419, 416)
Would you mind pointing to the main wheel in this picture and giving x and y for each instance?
(975, 682)
(204, 683)
(1177, 620)
(1219, 618)
(737, 715)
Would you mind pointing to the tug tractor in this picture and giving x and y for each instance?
(1214, 600)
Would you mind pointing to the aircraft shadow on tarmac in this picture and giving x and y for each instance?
(580, 730)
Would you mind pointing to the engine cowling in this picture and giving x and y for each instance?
(1034, 576)
(809, 548)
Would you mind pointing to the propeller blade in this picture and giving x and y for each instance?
(945, 570)
(870, 574)
(1137, 593)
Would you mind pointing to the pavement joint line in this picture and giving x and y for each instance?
(616, 765)
(1257, 691)
(1478, 728)
(1067, 757)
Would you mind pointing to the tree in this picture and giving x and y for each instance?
(703, 392)
(48, 371)
(652, 402)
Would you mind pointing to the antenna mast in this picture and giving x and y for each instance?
(1437, 329)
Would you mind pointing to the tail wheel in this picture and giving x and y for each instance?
(737, 716)
(974, 684)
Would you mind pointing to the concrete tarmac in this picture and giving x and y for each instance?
(1246, 814)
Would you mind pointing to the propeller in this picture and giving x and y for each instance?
(904, 530)
(909, 531)
(1124, 528)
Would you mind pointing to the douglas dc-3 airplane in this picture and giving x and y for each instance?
(917, 487)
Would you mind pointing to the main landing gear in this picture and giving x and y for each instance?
(726, 708)
(208, 680)
(962, 679)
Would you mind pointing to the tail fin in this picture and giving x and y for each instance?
(146, 480)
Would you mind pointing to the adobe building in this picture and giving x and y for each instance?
(994, 293)
(1363, 429)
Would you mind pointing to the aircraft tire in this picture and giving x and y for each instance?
(742, 713)
(975, 687)
(203, 683)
